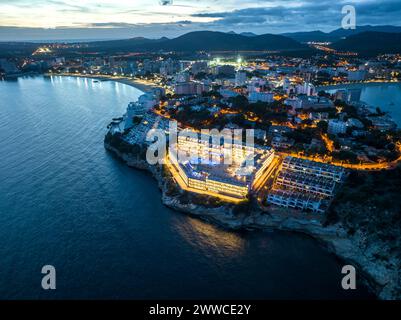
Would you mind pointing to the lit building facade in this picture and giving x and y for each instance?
(305, 185)
(240, 78)
(207, 172)
(315, 168)
(261, 96)
(190, 88)
(337, 126)
(296, 200)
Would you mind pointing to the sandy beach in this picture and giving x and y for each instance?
(139, 84)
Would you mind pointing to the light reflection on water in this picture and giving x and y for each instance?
(206, 237)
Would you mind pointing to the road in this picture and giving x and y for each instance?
(361, 166)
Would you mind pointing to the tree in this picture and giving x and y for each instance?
(323, 126)
(136, 120)
(239, 103)
(213, 93)
(323, 93)
(200, 76)
(307, 122)
(346, 156)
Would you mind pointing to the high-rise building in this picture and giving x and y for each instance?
(198, 67)
(139, 108)
(306, 88)
(225, 70)
(286, 84)
(182, 77)
(168, 67)
(295, 104)
(240, 78)
(190, 88)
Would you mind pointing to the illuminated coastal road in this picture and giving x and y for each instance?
(328, 142)
(362, 166)
(340, 83)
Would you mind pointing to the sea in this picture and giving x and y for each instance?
(386, 96)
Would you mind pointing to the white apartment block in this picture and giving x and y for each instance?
(337, 126)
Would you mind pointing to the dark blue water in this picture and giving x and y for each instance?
(386, 96)
(66, 202)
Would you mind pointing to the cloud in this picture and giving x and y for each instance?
(128, 25)
(307, 14)
(149, 18)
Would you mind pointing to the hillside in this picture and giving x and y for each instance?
(339, 34)
(371, 43)
(308, 36)
(368, 208)
(203, 40)
(17, 49)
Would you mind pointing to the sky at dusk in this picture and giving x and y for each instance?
(110, 19)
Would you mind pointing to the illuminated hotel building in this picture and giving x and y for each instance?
(314, 168)
(297, 200)
(305, 185)
(205, 172)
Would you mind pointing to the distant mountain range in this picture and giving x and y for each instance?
(370, 43)
(203, 40)
(365, 40)
(362, 40)
(339, 34)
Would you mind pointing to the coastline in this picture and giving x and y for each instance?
(382, 94)
(380, 278)
(355, 84)
(124, 80)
